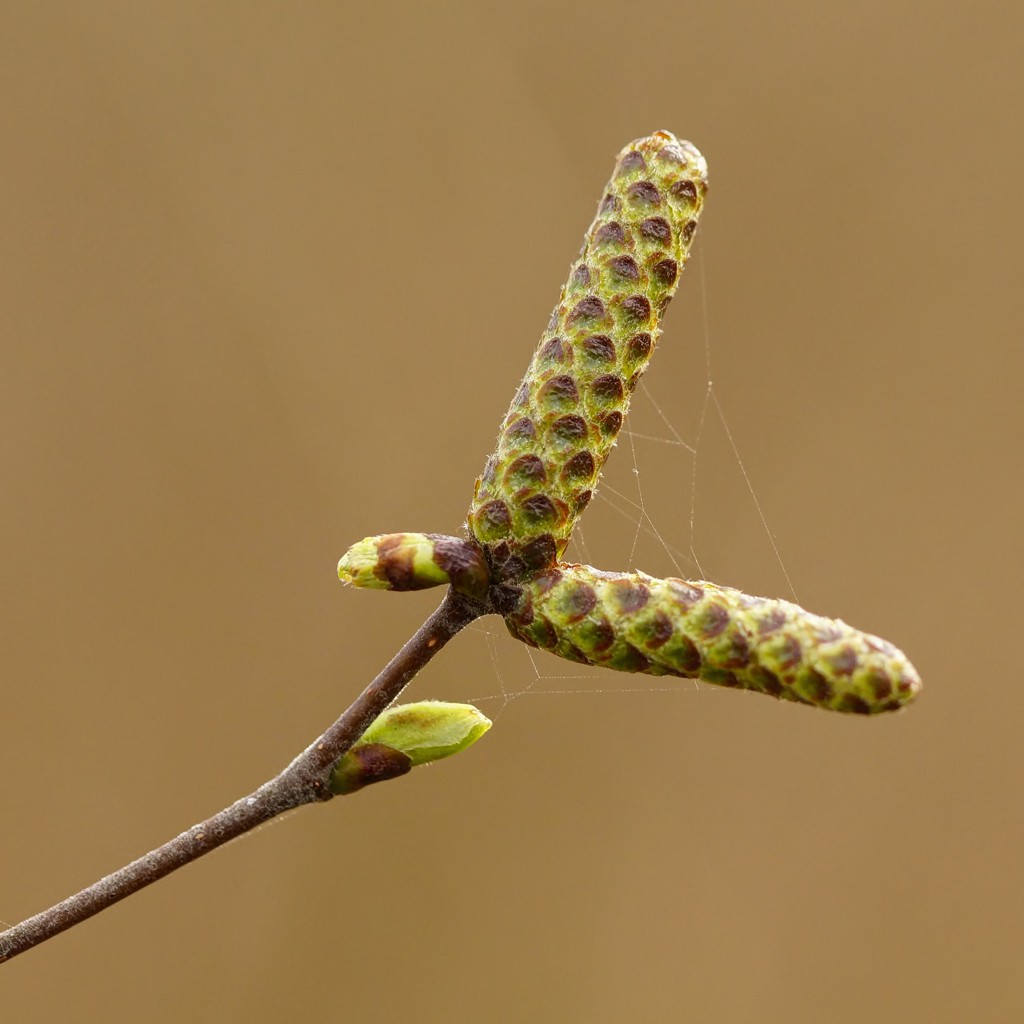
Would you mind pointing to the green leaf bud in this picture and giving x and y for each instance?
(636, 623)
(415, 561)
(568, 411)
(405, 736)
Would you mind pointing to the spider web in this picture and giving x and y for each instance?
(663, 438)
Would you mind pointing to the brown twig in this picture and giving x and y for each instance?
(304, 781)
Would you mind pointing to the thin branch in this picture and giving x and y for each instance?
(304, 781)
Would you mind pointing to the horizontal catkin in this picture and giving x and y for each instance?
(636, 623)
(569, 408)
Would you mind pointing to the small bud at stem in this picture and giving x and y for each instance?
(405, 736)
(416, 561)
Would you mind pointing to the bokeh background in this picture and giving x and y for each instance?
(270, 275)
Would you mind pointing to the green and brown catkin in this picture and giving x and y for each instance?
(553, 442)
(568, 410)
(636, 623)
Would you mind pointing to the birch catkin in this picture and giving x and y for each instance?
(567, 413)
(636, 623)
(552, 445)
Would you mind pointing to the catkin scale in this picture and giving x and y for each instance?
(636, 623)
(569, 408)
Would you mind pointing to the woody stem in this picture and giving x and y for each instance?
(304, 781)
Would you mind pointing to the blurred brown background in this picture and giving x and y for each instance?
(271, 273)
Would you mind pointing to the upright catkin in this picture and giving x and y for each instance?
(569, 408)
